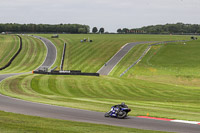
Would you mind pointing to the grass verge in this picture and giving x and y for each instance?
(17, 123)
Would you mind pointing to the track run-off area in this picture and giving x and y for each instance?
(43, 110)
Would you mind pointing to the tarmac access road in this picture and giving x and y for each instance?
(9, 104)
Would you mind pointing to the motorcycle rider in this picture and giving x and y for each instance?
(122, 105)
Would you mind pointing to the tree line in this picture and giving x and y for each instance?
(95, 30)
(178, 28)
(44, 28)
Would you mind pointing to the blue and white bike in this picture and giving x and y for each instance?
(118, 112)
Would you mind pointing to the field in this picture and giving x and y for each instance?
(9, 46)
(31, 56)
(10, 123)
(164, 84)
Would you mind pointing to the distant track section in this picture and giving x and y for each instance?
(51, 52)
(108, 66)
(11, 60)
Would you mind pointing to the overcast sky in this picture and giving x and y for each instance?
(110, 14)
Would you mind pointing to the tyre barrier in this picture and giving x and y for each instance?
(11, 60)
(71, 72)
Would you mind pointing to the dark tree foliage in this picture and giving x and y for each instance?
(44, 28)
(119, 30)
(101, 30)
(178, 28)
(94, 30)
(125, 30)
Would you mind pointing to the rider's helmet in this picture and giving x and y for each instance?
(122, 103)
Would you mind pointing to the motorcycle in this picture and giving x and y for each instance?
(117, 112)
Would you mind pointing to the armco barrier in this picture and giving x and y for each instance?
(70, 73)
(63, 57)
(73, 71)
(20, 48)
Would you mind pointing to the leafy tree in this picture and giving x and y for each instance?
(119, 30)
(125, 30)
(178, 28)
(94, 30)
(81, 30)
(101, 30)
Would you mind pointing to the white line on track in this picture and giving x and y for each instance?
(187, 122)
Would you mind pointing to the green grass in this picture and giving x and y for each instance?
(174, 59)
(100, 93)
(17, 123)
(9, 44)
(32, 55)
(173, 63)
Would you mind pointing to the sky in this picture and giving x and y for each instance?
(109, 14)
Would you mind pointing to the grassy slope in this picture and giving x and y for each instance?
(174, 63)
(9, 44)
(16, 123)
(90, 57)
(32, 56)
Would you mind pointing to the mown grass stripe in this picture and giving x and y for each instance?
(31, 56)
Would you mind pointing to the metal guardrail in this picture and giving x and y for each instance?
(72, 72)
(136, 61)
(63, 57)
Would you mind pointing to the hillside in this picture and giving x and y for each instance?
(90, 57)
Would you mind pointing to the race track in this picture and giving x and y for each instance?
(37, 109)
(107, 68)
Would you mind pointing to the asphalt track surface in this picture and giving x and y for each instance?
(107, 68)
(9, 104)
(51, 52)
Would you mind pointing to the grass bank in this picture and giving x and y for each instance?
(173, 63)
(9, 44)
(32, 55)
